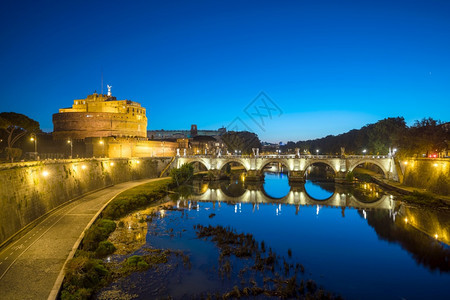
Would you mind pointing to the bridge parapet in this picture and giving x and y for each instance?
(295, 165)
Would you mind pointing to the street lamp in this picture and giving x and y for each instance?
(317, 151)
(69, 141)
(33, 138)
(103, 147)
(364, 152)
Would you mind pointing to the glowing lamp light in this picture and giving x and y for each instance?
(45, 173)
(101, 142)
(111, 164)
(32, 139)
(138, 162)
(83, 167)
(405, 162)
(435, 165)
(406, 220)
(436, 236)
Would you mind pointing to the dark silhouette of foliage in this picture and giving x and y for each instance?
(16, 126)
(424, 137)
(242, 141)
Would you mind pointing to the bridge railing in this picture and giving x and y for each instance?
(290, 156)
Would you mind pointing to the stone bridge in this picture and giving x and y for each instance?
(296, 196)
(295, 165)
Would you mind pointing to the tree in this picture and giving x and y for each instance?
(242, 141)
(16, 126)
(182, 174)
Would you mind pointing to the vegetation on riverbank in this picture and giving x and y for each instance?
(280, 277)
(426, 199)
(86, 272)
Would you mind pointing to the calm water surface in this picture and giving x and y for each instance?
(360, 243)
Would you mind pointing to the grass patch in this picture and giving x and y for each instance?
(136, 198)
(424, 199)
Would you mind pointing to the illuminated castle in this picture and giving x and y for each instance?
(100, 116)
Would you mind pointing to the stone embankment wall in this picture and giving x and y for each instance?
(430, 174)
(31, 189)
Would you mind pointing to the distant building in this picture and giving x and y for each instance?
(100, 115)
(181, 134)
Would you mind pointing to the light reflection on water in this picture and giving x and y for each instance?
(357, 252)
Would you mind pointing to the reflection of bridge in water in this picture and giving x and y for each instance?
(296, 196)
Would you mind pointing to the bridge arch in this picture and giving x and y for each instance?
(266, 162)
(320, 162)
(370, 161)
(195, 160)
(222, 164)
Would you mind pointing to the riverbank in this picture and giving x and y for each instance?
(404, 189)
(86, 272)
(32, 263)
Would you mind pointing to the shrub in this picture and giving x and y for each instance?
(137, 261)
(83, 275)
(105, 248)
(182, 174)
(97, 233)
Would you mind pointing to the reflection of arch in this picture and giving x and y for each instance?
(320, 200)
(312, 163)
(281, 185)
(283, 162)
(370, 161)
(281, 199)
(233, 161)
(226, 191)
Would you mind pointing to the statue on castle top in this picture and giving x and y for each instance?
(109, 89)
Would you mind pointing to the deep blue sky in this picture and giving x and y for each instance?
(330, 66)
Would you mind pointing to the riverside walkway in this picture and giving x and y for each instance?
(31, 266)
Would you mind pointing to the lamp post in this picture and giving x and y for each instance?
(69, 141)
(317, 152)
(34, 139)
(103, 147)
(364, 152)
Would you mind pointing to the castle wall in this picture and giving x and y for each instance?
(80, 125)
(129, 147)
(29, 190)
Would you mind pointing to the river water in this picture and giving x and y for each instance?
(357, 242)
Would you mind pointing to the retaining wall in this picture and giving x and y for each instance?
(31, 189)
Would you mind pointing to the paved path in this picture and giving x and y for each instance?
(29, 267)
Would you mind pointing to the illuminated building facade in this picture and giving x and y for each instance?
(100, 115)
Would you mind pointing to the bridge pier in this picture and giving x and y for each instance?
(296, 177)
(215, 174)
(340, 177)
(254, 175)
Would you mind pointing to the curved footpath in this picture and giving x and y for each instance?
(31, 266)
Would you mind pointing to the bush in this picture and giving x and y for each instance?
(182, 174)
(83, 275)
(105, 248)
(137, 261)
(97, 233)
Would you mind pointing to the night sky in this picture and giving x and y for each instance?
(328, 66)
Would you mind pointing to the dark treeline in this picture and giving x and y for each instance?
(427, 136)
